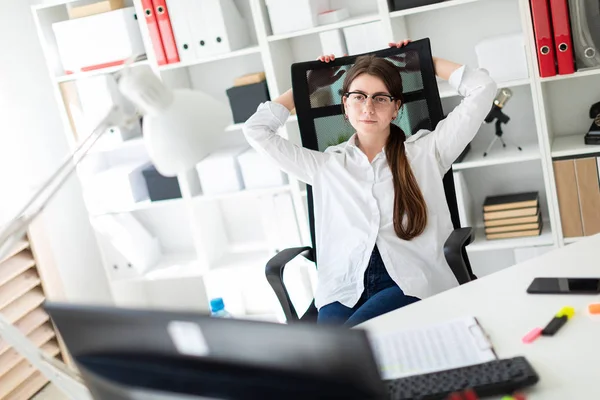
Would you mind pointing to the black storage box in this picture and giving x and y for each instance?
(159, 186)
(244, 100)
(592, 138)
(396, 5)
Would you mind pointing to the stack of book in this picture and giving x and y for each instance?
(512, 215)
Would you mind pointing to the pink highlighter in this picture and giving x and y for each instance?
(531, 336)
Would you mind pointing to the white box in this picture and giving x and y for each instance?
(289, 16)
(503, 57)
(220, 171)
(97, 95)
(99, 40)
(117, 187)
(258, 171)
(365, 38)
(333, 42)
(127, 235)
(333, 16)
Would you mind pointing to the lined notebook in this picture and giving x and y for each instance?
(453, 344)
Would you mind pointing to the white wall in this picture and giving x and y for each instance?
(32, 143)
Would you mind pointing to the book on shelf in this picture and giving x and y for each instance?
(517, 212)
(510, 201)
(512, 221)
(506, 235)
(512, 215)
(515, 227)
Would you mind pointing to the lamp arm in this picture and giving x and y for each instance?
(58, 373)
(17, 227)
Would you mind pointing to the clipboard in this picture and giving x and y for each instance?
(452, 344)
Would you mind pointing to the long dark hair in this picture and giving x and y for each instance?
(408, 198)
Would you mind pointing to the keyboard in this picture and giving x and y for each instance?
(498, 377)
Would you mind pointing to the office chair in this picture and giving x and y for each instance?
(321, 123)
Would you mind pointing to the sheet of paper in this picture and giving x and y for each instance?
(453, 344)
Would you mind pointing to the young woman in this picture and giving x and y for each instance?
(381, 215)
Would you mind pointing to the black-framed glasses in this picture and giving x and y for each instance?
(360, 99)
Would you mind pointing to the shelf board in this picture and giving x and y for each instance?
(338, 25)
(32, 321)
(174, 265)
(23, 305)
(569, 240)
(446, 90)
(245, 193)
(431, 7)
(12, 357)
(96, 72)
(16, 265)
(29, 388)
(139, 206)
(211, 58)
(497, 156)
(17, 376)
(39, 336)
(235, 127)
(18, 286)
(99, 147)
(572, 145)
(180, 265)
(52, 3)
(578, 74)
(238, 127)
(19, 247)
(482, 244)
(242, 259)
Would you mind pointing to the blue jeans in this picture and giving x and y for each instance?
(381, 295)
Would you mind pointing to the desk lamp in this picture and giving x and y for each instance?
(177, 126)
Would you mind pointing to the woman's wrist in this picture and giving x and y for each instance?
(444, 68)
(286, 100)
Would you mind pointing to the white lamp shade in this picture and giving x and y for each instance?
(182, 135)
(179, 125)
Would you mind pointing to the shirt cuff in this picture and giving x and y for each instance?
(279, 111)
(456, 77)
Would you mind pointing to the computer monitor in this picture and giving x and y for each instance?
(137, 354)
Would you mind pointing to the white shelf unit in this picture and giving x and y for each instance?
(572, 145)
(547, 116)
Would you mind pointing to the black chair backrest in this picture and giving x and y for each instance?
(321, 119)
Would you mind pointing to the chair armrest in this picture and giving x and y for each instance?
(274, 273)
(456, 254)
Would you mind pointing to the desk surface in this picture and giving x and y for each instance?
(569, 362)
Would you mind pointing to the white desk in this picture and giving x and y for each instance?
(569, 362)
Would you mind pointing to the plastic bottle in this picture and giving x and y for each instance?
(217, 308)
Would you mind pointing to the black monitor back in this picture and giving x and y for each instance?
(126, 354)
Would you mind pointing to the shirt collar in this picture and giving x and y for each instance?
(351, 143)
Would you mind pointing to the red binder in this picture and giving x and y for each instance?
(166, 31)
(152, 23)
(542, 27)
(562, 36)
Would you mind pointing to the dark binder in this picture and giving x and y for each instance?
(585, 29)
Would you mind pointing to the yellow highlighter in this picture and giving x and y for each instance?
(558, 321)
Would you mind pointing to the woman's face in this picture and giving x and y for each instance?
(369, 105)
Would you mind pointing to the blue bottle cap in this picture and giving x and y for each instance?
(217, 304)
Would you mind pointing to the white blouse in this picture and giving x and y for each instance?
(354, 199)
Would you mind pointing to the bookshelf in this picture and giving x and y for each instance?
(548, 119)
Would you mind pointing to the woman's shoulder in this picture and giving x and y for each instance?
(418, 137)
